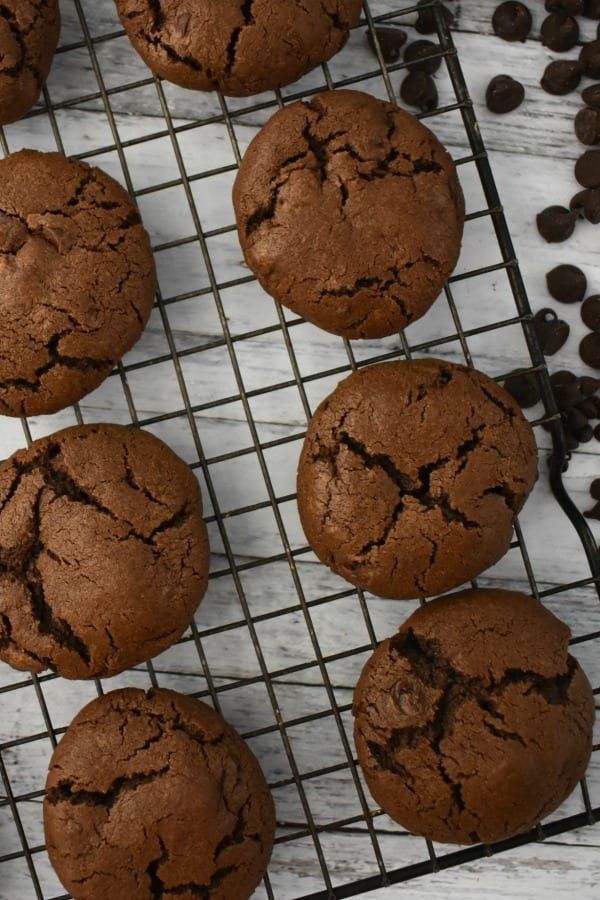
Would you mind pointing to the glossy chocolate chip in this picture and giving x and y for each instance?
(587, 204)
(552, 332)
(391, 40)
(591, 95)
(504, 94)
(589, 350)
(426, 23)
(556, 223)
(587, 169)
(512, 21)
(418, 89)
(566, 283)
(559, 32)
(416, 55)
(595, 489)
(587, 125)
(562, 76)
(590, 313)
(523, 387)
(571, 7)
(590, 59)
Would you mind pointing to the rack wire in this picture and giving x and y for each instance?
(308, 835)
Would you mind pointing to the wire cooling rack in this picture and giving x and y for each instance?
(307, 633)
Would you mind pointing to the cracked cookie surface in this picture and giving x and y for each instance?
(473, 723)
(77, 280)
(29, 31)
(411, 476)
(350, 213)
(240, 47)
(103, 551)
(153, 795)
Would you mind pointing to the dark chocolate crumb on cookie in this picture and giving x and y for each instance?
(153, 795)
(473, 722)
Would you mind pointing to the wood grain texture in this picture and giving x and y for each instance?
(532, 152)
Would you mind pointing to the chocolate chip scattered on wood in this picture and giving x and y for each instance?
(590, 313)
(559, 32)
(504, 94)
(524, 387)
(562, 76)
(591, 95)
(391, 40)
(418, 89)
(551, 331)
(566, 283)
(512, 21)
(426, 23)
(590, 59)
(587, 169)
(587, 204)
(589, 350)
(587, 125)
(556, 223)
(416, 55)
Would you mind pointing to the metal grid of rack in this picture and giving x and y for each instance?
(381, 874)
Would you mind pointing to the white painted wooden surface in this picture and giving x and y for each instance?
(532, 152)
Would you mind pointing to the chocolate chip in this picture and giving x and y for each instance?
(590, 313)
(416, 53)
(391, 40)
(585, 434)
(576, 421)
(552, 332)
(589, 385)
(567, 395)
(504, 94)
(512, 21)
(556, 223)
(566, 283)
(572, 7)
(595, 512)
(595, 489)
(562, 76)
(587, 169)
(590, 59)
(591, 95)
(523, 387)
(418, 89)
(591, 9)
(587, 125)
(587, 204)
(588, 408)
(426, 19)
(589, 350)
(559, 32)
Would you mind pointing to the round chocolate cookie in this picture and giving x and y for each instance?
(473, 723)
(411, 476)
(29, 31)
(154, 795)
(76, 280)
(239, 47)
(103, 551)
(349, 212)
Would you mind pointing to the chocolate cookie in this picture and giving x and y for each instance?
(473, 722)
(411, 476)
(350, 212)
(154, 795)
(103, 551)
(29, 31)
(239, 47)
(77, 280)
